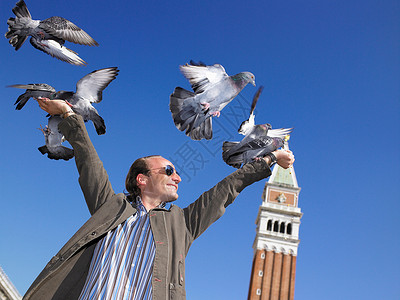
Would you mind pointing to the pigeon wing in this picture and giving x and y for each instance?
(255, 99)
(34, 86)
(279, 133)
(34, 90)
(66, 30)
(58, 51)
(202, 77)
(91, 86)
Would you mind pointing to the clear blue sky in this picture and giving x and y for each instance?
(331, 69)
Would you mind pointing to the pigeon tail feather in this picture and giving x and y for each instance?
(21, 101)
(180, 115)
(17, 26)
(63, 153)
(21, 10)
(235, 160)
(204, 131)
(98, 123)
(197, 124)
(226, 147)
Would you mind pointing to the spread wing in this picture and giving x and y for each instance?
(92, 85)
(56, 50)
(201, 77)
(279, 133)
(66, 30)
(34, 87)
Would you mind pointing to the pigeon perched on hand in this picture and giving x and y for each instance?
(88, 90)
(54, 139)
(259, 140)
(48, 35)
(213, 90)
(34, 90)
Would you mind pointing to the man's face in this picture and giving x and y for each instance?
(159, 184)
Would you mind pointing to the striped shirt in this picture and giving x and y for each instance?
(122, 263)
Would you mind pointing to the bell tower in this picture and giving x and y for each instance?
(277, 238)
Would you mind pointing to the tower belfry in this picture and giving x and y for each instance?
(277, 238)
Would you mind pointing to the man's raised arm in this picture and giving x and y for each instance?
(92, 176)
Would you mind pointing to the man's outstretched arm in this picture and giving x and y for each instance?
(93, 178)
(211, 205)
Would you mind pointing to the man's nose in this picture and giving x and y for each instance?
(176, 178)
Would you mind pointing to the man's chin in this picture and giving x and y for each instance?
(170, 198)
(174, 198)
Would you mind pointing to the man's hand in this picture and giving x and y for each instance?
(54, 107)
(285, 158)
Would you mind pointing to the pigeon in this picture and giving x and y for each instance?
(89, 89)
(249, 123)
(33, 90)
(258, 140)
(48, 35)
(54, 139)
(213, 89)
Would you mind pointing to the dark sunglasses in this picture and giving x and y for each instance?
(169, 170)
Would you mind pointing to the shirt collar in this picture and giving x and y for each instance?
(138, 204)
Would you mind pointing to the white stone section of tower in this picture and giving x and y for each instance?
(7, 289)
(278, 219)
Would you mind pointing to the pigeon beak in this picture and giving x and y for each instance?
(253, 82)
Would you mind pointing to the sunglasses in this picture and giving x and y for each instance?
(169, 170)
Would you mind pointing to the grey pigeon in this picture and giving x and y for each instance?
(34, 90)
(48, 35)
(88, 90)
(54, 139)
(259, 140)
(213, 90)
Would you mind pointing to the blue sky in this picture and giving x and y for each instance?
(331, 70)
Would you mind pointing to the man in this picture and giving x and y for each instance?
(133, 247)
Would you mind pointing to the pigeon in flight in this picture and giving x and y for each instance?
(48, 35)
(258, 140)
(213, 90)
(88, 90)
(54, 139)
(249, 123)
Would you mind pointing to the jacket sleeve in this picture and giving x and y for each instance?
(210, 206)
(93, 178)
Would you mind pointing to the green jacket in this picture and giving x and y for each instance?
(174, 229)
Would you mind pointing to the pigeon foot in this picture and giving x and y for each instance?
(205, 105)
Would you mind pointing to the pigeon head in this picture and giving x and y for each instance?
(248, 78)
(243, 78)
(266, 126)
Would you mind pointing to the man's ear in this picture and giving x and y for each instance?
(141, 180)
